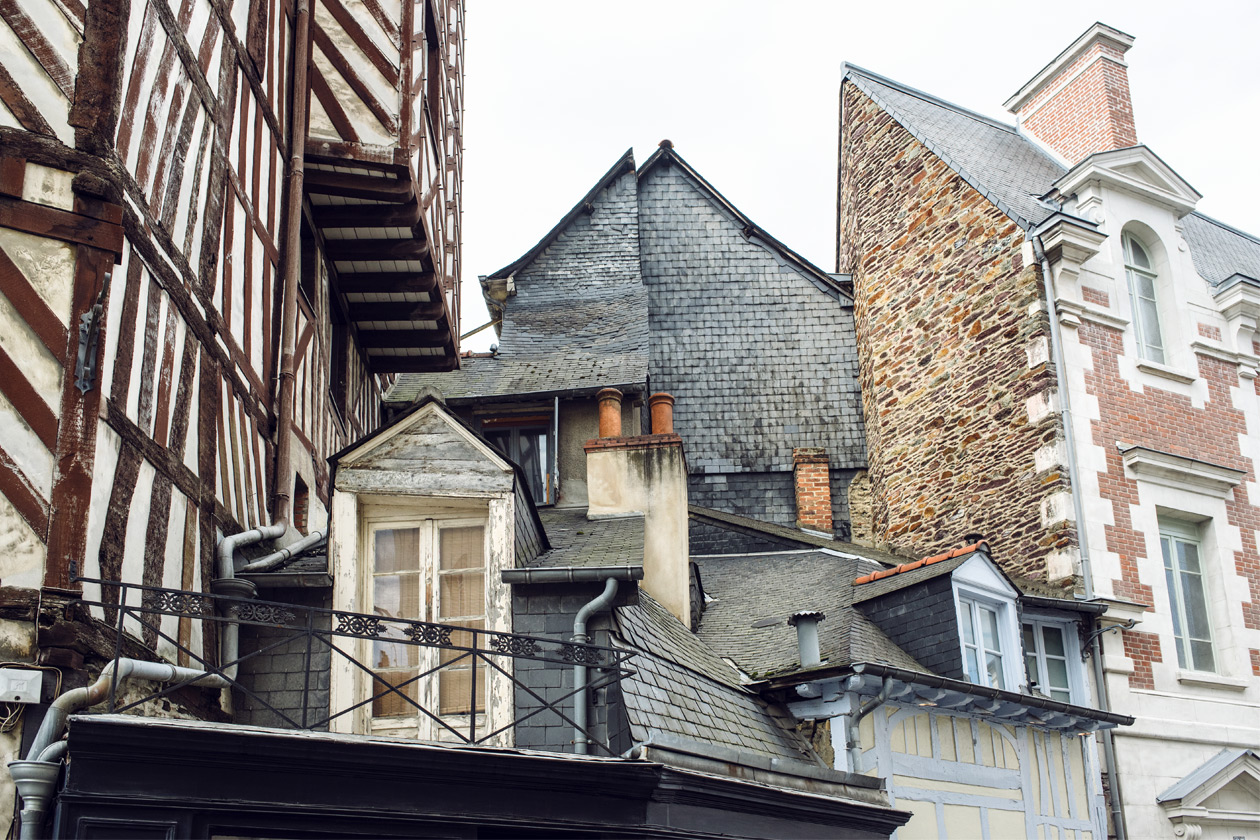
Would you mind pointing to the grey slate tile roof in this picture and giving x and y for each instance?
(876, 588)
(748, 589)
(578, 541)
(721, 517)
(1220, 251)
(578, 320)
(1014, 172)
(682, 688)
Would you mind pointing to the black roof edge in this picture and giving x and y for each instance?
(518, 473)
(822, 279)
(877, 669)
(623, 165)
(626, 388)
(1068, 604)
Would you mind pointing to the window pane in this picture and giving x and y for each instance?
(397, 550)
(463, 594)
(989, 622)
(1196, 607)
(390, 704)
(1061, 694)
(461, 639)
(1135, 253)
(1164, 544)
(455, 690)
(1058, 675)
(993, 664)
(463, 548)
(1188, 555)
(1053, 637)
(1174, 598)
(971, 664)
(1203, 657)
(968, 631)
(1030, 654)
(396, 596)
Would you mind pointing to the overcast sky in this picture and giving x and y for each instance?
(748, 92)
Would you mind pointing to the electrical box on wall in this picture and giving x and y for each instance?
(18, 685)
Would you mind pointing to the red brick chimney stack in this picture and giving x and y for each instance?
(813, 489)
(1079, 103)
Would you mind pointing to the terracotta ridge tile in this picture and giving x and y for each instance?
(918, 564)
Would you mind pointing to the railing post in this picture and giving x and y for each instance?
(122, 612)
(472, 707)
(306, 670)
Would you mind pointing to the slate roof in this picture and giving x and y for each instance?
(578, 541)
(749, 589)
(875, 584)
(722, 518)
(578, 319)
(682, 687)
(1014, 172)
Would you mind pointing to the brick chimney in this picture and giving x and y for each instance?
(645, 474)
(1079, 103)
(813, 489)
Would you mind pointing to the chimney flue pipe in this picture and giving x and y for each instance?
(609, 413)
(806, 624)
(661, 406)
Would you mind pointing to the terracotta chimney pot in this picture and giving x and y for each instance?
(609, 413)
(661, 405)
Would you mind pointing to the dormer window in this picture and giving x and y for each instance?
(1140, 272)
(982, 642)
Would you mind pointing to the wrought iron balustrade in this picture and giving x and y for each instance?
(466, 649)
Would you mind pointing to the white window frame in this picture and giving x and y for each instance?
(1071, 649)
(1156, 352)
(1190, 534)
(977, 581)
(419, 725)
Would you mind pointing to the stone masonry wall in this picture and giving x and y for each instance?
(953, 337)
(759, 359)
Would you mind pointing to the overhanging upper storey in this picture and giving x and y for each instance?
(383, 173)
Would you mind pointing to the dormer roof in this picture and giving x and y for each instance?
(1135, 170)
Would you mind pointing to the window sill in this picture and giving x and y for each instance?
(1164, 372)
(1205, 679)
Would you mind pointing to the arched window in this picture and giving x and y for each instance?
(1140, 272)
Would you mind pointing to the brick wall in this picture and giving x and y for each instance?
(1143, 649)
(1168, 422)
(813, 489)
(957, 399)
(1090, 113)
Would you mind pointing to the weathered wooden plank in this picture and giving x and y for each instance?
(126, 328)
(32, 37)
(403, 338)
(28, 303)
(164, 461)
(155, 535)
(388, 282)
(361, 40)
(98, 87)
(346, 68)
(114, 535)
(165, 375)
(148, 360)
(376, 249)
(383, 20)
(25, 499)
(15, 100)
(411, 364)
(357, 186)
(29, 404)
(368, 215)
(409, 311)
(42, 220)
(76, 436)
(143, 51)
(331, 105)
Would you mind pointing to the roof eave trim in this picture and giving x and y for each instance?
(999, 701)
(572, 574)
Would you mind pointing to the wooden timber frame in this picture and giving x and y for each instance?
(168, 128)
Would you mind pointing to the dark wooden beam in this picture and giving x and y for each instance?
(368, 215)
(375, 249)
(429, 311)
(413, 364)
(60, 224)
(357, 186)
(387, 282)
(404, 338)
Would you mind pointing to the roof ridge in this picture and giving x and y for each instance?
(918, 564)
(1213, 220)
(847, 68)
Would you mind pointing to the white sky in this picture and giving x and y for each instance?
(748, 92)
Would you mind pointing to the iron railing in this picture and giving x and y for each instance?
(460, 647)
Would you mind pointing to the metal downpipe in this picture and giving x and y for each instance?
(1078, 508)
(851, 729)
(286, 384)
(271, 561)
(580, 700)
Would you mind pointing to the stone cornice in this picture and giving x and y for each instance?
(1179, 472)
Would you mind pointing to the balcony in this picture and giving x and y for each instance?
(448, 691)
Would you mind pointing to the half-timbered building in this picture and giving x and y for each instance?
(225, 225)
